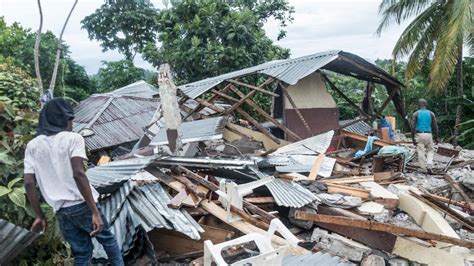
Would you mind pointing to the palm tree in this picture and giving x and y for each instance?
(439, 30)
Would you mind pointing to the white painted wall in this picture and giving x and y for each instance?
(310, 92)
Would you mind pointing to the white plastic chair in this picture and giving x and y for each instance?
(268, 255)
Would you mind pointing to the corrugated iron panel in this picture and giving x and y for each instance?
(318, 143)
(288, 71)
(290, 194)
(13, 239)
(318, 258)
(206, 163)
(113, 119)
(361, 127)
(108, 177)
(199, 130)
(139, 89)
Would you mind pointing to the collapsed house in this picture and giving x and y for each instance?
(240, 174)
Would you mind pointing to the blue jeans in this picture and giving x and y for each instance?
(76, 225)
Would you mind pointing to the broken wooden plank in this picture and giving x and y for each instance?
(381, 195)
(260, 200)
(349, 180)
(382, 227)
(253, 87)
(177, 201)
(346, 190)
(197, 178)
(461, 204)
(318, 162)
(456, 186)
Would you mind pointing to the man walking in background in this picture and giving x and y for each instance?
(424, 125)
(54, 160)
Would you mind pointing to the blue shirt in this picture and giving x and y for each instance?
(423, 121)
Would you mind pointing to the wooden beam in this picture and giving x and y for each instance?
(254, 122)
(385, 103)
(456, 186)
(381, 227)
(344, 96)
(197, 178)
(252, 87)
(260, 200)
(248, 96)
(346, 190)
(349, 180)
(210, 105)
(262, 112)
(295, 107)
(368, 70)
(445, 210)
(318, 162)
(461, 204)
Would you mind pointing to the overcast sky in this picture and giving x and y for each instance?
(319, 25)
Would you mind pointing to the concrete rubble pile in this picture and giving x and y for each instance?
(206, 183)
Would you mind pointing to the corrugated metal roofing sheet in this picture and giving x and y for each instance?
(361, 127)
(199, 130)
(318, 258)
(290, 194)
(139, 89)
(289, 71)
(207, 162)
(113, 119)
(13, 239)
(318, 143)
(109, 177)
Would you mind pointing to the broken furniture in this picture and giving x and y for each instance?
(268, 254)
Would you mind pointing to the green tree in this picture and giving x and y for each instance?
(439, 27)
(117, 74)
(201, 39)
(16, 46)
(125, 25)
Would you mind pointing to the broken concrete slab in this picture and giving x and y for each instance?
(370, 208)
(381, 195)
(339, 245)
(372, 260)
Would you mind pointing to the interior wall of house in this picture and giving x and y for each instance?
(315, 104)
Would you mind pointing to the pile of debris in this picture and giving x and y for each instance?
(206, 182)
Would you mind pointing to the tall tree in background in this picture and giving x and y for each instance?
(123, 25)
(198, 39)
(440, 28)
(116, 74)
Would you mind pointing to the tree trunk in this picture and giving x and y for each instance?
(36, 50)
(58, 52)
(460, 86)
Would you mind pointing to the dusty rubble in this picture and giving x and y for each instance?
(210, 187)
(210, 183)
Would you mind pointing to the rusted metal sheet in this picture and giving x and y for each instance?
(319, 120)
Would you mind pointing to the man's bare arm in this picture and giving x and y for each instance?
(413, 127)
(434, 127)
(84, 188)
(40, 223)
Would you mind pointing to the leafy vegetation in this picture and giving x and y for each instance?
(114, 75)
(17, 48)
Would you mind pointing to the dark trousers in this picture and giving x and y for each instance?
(76, 225)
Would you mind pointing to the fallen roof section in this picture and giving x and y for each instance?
(137, 89)
(312, 145)
(13, 239)
(109, 120)
(193, 131)
(290, 194)
(108, 177)
(291, 71)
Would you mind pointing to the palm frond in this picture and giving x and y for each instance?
(399, 10)
(417, 29)
(449, 41)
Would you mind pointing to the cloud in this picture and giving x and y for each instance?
(319, 25)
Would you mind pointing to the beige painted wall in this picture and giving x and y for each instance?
(310, 92)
